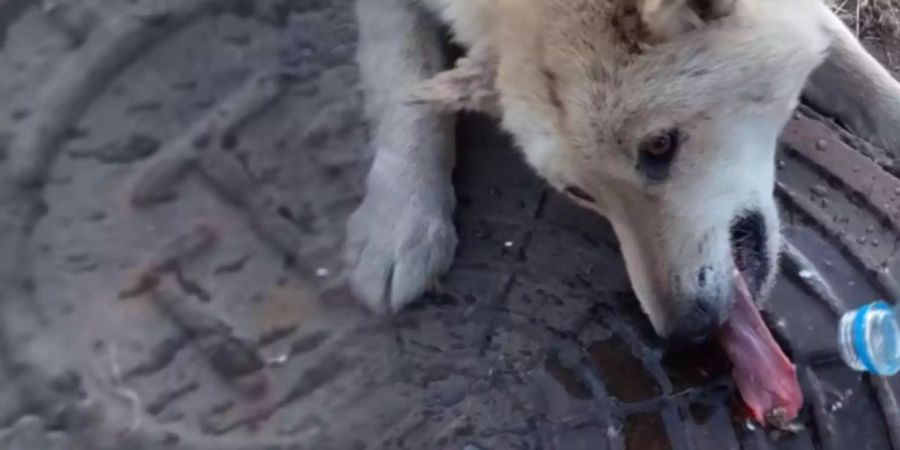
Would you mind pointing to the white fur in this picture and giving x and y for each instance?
(580, 84)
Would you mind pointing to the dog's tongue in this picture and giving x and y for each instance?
(764, 376)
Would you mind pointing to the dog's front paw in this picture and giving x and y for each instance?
(396, 248)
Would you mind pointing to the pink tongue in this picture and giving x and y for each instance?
(764, 375)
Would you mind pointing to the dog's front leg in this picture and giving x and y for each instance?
(402, 236)
(852, 86)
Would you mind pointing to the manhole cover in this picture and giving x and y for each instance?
(176, 179)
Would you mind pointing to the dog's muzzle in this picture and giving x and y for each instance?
(703, 314)
(701, 320)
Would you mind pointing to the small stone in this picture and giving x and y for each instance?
(322, 272)
(875, 242)
(861, 239)
(856, 168)
(820, 190)
(781, 164)
(805, 274)
(277, 360)
(897, 191)
(822, 144)
(508, 244)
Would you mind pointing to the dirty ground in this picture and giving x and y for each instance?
(174, 183)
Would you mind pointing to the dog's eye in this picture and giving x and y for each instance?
(657, 153)
(661, 145)
(580, 194)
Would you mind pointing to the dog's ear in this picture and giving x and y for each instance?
(666, 19)
(470, 86)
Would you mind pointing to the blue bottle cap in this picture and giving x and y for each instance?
(859, 334)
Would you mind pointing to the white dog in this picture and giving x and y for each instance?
(662, 115)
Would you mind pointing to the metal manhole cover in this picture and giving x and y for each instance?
(175, 180)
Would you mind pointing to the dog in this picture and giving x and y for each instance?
(661, 115)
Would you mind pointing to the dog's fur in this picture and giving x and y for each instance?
(584, 86)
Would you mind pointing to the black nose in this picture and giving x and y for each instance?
(699, 322)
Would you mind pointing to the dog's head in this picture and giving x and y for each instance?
(663, 116)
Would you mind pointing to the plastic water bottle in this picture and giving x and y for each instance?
(869, 339)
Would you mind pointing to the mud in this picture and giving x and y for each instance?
(125, 126)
